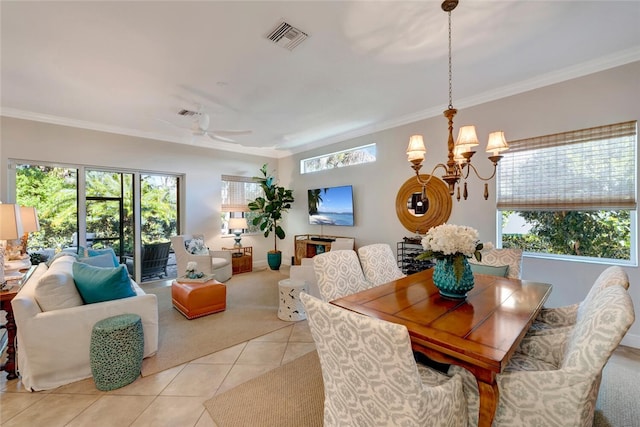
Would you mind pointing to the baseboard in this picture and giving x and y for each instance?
(631, 340)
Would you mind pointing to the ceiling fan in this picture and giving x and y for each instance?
(200, 126)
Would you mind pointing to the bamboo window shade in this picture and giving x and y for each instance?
(589, 169)
(237, 192)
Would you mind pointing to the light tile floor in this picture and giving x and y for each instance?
(173, 397)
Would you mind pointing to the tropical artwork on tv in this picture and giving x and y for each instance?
(331, 205)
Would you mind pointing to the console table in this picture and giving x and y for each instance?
(310, 245)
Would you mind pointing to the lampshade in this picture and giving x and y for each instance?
(10, 222)
(237, 223)
(467, 138)
(416, 150)
(497, 143)
(29, 218)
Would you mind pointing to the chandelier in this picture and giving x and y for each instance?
(458, 165)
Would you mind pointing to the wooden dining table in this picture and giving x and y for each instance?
(479, 333)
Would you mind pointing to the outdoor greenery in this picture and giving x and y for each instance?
(53, 191)
(276, 201)
(598, 234)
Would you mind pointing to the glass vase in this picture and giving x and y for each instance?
(448, 284)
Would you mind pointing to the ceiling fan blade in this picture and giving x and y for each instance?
(219, 138)
(231, 132)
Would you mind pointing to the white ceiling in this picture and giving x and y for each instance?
(129, 67)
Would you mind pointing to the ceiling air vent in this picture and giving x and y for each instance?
(287, 36)
(187, 113)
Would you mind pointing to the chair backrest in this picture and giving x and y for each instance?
(606, 319)
(183, 256)
(613, 275)
(379, 264)
(369, 372)
(338, 274)
(342, 244)
(501, 257)
(154, 258)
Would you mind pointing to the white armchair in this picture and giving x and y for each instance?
(217, 263)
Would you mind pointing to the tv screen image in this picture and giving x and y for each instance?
(331, 205)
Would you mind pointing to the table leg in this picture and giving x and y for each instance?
(488, 402)
(10, 364)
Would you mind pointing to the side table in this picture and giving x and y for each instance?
(241, 259)
(5, 304)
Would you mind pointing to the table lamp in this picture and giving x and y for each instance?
(10, 229)
(30, 224)
(237, 225)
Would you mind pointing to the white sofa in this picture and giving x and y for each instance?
(53, 346)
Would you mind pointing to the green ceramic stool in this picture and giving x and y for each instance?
(117, 347)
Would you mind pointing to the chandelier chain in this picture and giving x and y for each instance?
(450, 72)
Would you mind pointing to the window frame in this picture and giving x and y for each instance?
(362, 150)
(562, 140)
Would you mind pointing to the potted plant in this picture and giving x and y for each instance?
(276, 201)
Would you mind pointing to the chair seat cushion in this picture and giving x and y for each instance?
(218, 262)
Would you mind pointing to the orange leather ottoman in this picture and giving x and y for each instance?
(199, 299)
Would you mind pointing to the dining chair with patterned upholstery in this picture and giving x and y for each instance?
(497, 259)
(379, 264)
(338, 274)
(567, 316)
(370, 376)
(559, 386)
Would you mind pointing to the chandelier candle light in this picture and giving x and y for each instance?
(458, 165)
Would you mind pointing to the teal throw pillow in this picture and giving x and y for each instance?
(96, 252)
(104, 260)
(489, 269)
(97, 284)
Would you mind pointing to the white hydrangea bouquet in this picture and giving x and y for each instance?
(191, 272)
(451, 243)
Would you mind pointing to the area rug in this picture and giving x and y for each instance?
(252, 311)
(291, 395)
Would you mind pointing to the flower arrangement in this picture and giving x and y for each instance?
(191, 273)
(451, 243)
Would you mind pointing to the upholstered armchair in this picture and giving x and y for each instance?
(498, 258)
(554, 379)
(217, 263)
(551, 318)
(370, 376)
(379, 264)
(339, 274)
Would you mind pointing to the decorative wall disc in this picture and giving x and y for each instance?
(413, 214)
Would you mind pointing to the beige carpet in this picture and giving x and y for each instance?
(252, 311)
(292, 395)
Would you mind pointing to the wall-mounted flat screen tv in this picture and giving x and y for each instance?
(331, 205)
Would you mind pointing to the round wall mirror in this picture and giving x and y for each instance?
(420, 210)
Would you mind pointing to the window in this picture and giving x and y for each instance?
(237, 192)
(339, 159)
(572, 193)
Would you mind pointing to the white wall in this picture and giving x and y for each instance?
(34, 141)
(602, 98)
